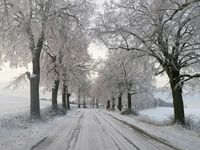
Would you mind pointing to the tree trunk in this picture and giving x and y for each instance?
(120, 102)
(108, 104)
(84, 106)
(35, 77)
(64, 97)
(35, 101)
(68, 95)
(68, 102)
(34, 84)
(55, 95)
(93, 103)
(97, 103)
(176, 87)
(113, 103)
(79, 98)
(129, 100)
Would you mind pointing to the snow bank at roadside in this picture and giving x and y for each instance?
(18, 131)
(15, 129)
(176, 135)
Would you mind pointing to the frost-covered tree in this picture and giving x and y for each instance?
(166, 30)
(124, 72)
(25, 29)
(23, 26)
(83, 84)
(73, 65)
(66, 51)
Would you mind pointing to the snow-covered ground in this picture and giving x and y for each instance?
(89, 129)
(161, 114)
(10, 105)
(16, 130)
(175, 134)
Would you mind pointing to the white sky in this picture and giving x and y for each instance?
(97, 51)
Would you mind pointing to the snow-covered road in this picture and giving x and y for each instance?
(95, 130)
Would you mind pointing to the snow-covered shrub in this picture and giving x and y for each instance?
(147, 119)
(130, 111)
(192, 122)
(59, 112)
(23, 121)
(16, 122)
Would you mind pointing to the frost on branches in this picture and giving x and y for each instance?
(123, 73)
(28, 26)
(166, 30)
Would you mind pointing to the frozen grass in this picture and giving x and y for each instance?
(14, 113)
(192, 122)
(23, 121)
(17, 129)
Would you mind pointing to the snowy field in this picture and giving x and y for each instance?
(161, 114)
(10, 105)
(15, 128)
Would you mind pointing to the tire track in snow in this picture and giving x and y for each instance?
(142, 137)
(104, 130)
(75, 134)
(39, 142)
(130, 142)
(46, 141)
(144, 133)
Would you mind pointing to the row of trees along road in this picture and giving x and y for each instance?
(165, 30)
(52, 34)
(48, 32)
(123, 73)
